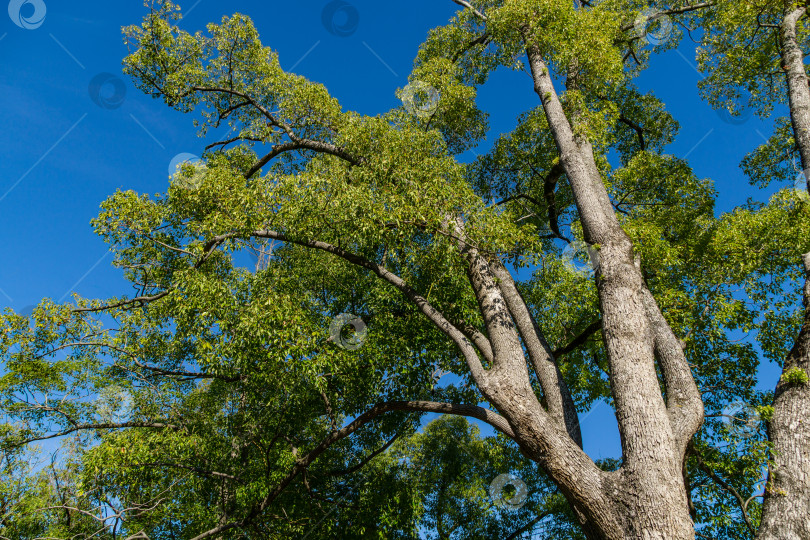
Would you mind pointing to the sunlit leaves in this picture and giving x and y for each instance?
(740, 54)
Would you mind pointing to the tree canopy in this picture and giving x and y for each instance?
(287, 401)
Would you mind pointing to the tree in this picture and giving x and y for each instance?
(377, 218)
(778, 34)
(464, 493)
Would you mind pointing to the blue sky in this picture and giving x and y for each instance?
(63, 153)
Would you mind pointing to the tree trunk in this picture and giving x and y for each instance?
(786, 509)
(646, 498)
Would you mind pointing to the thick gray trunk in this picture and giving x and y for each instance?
(786, 510)
(648, 495)
(542, 434)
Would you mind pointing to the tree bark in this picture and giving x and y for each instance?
(558, 397)
(649, 495)
(786, 509)
(798, 92)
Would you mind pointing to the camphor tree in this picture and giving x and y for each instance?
(764, 58)
(234, 413)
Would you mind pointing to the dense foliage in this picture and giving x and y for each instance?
(215, 398)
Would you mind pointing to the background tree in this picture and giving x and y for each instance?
(763, 59)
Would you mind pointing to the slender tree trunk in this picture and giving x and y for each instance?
(798, 92)
(786, 510)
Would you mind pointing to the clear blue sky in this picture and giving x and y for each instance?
(63, 154)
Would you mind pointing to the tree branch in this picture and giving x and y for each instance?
(684, 402)
(485, 415)
(302, 144)
(84, 427)
(560, 403)
(638, 129)
(549, 185)
(465, 4)
(534, 521)
(580, 339)
(186, 467)
(435, 316)
(368, 458)
(673, 11)
(725, 485)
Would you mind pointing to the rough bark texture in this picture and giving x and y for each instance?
(542, 434)
(558, 397)
(647, 495)
(798, 92)
(786, 509)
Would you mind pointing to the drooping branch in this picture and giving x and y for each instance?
(435, 316)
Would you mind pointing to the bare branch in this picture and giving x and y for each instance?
(580, 339)
(465, 4)
(673, 11)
